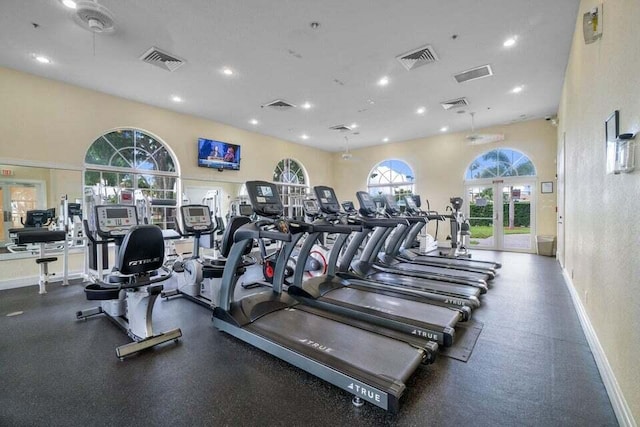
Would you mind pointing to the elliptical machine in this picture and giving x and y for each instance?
(129, 292)
(460, 230)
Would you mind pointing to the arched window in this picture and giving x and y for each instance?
(391, 177)
(501, 162)
(131, 166)
(293, 185)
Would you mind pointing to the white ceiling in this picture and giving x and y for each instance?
(277, 55)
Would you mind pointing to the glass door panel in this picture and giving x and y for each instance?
(516, 217)
(481, 217)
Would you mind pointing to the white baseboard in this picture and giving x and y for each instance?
(619, 403)
(21, 282)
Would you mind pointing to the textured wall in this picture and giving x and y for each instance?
(602, 230)
(440, 162)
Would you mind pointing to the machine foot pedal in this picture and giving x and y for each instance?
(136, 346)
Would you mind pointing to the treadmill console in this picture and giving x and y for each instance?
(412, 207)
(367, 205)
(390, 205)
(327, 198)
(196, 218)
(417, 200)
(74, 209)
(311, 208)
(348, 207)
(265, 198)
(245, 210)
(115, 220)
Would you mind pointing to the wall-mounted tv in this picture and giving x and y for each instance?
(218, 154)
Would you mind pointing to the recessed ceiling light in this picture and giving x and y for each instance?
(42, 59)
(304, 136)
(517, 89)
(227, 71)
(253, 121)
(176, 98)
(306, 105)
(353, 125)
(511, 41)
(314, 25)
(383, 81)
(421, 110)
(444, 129)
(69, 3)
(385, 140)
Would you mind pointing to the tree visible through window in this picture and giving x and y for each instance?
(131, 161)
(501, 162)
(391, 177)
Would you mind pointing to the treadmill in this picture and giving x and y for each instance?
(405, 251)
(364, 362)
(387, 309)
(371, 256)
(396, 244)
(435, 289)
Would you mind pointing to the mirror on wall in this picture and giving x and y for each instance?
(218, 195)
(27, 188)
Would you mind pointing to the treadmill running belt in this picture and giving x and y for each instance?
(407, 309)
(407, 266)
(379, 355)
(422, 284)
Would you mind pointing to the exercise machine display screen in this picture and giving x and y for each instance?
(348, 207)
(265, 198)
(196, 218)
(117, 213)
(265, 191)
(367, 205)
(245, 210)
(115, 220)
(311, 207)
(327, 198)
(411, 203)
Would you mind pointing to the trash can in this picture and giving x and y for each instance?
(546, 245)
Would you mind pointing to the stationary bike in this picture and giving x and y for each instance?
(129, 292)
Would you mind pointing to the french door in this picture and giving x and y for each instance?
(501, 214)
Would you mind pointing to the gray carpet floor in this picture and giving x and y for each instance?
(531, 366)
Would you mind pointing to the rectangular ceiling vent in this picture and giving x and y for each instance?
(341, 128)
(418, 57)
(453, 103)
(162, 59)
(279, 105)
(474, 74)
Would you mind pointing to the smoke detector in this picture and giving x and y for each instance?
(94, 17)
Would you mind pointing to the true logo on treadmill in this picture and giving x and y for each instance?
(316, 345)
(365, 392)
(425, 334)
(453, 301)
(143, 261)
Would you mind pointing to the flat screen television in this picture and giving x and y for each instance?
(218, 154)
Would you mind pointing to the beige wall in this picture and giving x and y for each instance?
(602, 229)
(52, 122)
(440, 162)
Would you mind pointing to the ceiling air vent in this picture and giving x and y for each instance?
(453, 103)
(279, 105)
(341, 128)
(418, 57)
(162, 59)
(474, 74)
